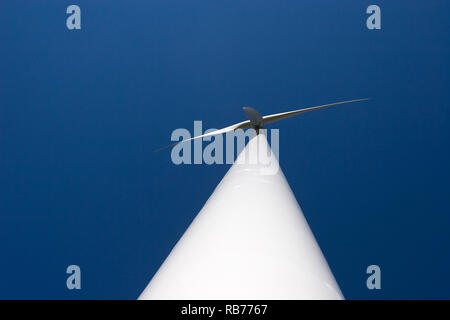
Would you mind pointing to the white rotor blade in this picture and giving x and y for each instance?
(266, 119)
(284, 115)
(240, 125)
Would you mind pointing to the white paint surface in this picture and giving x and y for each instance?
(249, 241)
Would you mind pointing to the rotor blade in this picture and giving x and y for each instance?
(240, 125)
(284, 115)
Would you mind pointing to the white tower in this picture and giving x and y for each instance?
(249, 241)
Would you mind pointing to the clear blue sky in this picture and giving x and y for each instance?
(82, 111)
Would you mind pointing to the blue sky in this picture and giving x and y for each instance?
(82, 111)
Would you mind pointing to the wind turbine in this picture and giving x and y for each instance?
(256, 121)
(250, 241)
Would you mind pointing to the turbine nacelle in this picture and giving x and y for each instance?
(256, 119)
